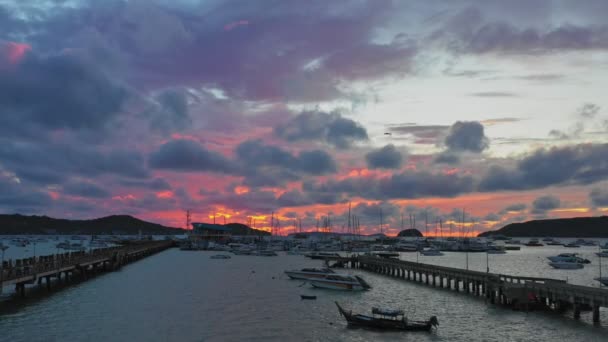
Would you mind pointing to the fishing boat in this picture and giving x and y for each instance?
(384, 319)
(340, 282)
(309, 273)
(433, 251)
(564, 265)
(220, 256)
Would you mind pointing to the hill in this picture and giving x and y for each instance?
(115, 225)
(241, 229)
(410, 233)
(570, 227)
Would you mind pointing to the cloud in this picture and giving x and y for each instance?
(578, 164)
(469, 32)
(57, 92)
(514, 208)
(588, 110)
(387, 157)
(153, 184)
(543, 204)
(494, 94)
(467, 136)
(331, 128)
(170, 112)
(447, 158)
(599, 197)
(85, 189)
(422, 134)
(188, 156)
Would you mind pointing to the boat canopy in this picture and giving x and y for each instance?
(387, 312)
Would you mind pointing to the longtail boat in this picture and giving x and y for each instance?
(383, 319)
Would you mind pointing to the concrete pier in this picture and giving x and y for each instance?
(522, 293)
(39, 270)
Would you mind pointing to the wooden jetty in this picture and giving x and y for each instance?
(36, 269)
(524, 293)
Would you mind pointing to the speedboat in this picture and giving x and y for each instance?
(569, 257)
(602, 280)
(572, 245)
(386, 319)
(534, 243)
(433, 251)
(309, 273)
(564, 265)
(341, 282)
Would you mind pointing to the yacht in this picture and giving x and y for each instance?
(341, 282)
(534, 243)
(433, 251)
(569, 257)
(309, 273)
(565, 265)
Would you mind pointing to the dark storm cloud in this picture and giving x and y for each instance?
(153, 184)
(399, 185)
(188, 156)
(302, 51)
(170, 112)
(57, 92)
(16, 197)
(588, 110)
(51, 163)
(543, 204)
(447, 158)
(467, 136)
(579, 164)
(470, 32)
(387, 157)
(331, 128)
(85, 189)
(599, 197)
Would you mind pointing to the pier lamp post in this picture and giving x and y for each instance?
(487, 262)
(599, 256)
(2, 248)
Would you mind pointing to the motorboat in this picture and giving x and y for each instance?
(564, 265)
(340, 282)
(407, 247)
(569, 257)
(602, 280)
(534, 243)
(433, 251)
(309, 273)
(264, 253)
(602, 254)
(220, 256)
(386, 319)
(70, 246)
(572, 245)
(321, 255)
(496, 250)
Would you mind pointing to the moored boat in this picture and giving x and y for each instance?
(341, 282)
(569, 257)
(534, 243)
(387, 320)
(220, 256)
(433, 251)
(602, 280)
(564, 265)
(309, 273)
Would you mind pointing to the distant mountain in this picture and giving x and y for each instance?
(114, 225)
(410, 233)
(241, 229)
(570, 227)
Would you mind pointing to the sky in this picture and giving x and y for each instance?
(242, 110)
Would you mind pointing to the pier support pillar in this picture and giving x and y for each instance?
(596, 313)
(577, 311)
(434, 284)
(48, 283)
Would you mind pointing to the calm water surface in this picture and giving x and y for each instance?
(185, 296)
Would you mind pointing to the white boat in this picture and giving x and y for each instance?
(563, 265)
(309, 273)
(340, 282)
(407, 247)
(568, 257)
(433, 251)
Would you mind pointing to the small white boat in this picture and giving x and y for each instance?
(220, 256)
(309, 273)
(568, 257)
(340, 282)
(433, 251)
(563, 265)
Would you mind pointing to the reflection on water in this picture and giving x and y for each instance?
(185, 296)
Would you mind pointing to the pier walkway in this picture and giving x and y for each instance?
(524, 293)
(36, 269)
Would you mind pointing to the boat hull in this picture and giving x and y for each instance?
(363, 321)
(336, 285)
